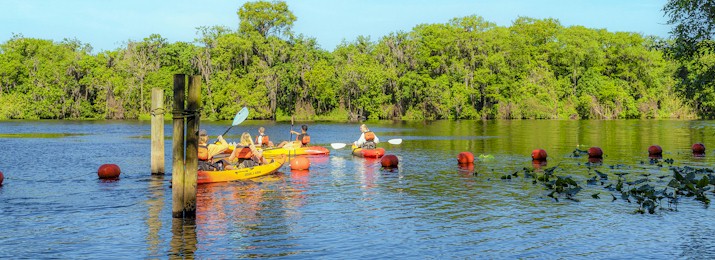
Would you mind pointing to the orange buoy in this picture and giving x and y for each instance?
(538, 154)
(465, 157)
(389, 161)
(595, 152)
(698, 148)
(300, 163)
(108, 171)
(655, 150)
(2, 178)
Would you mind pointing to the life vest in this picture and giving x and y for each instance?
(262, 140)
(203, 152)
(369, 140)
(303, 138)
(244, 153)
(369, 136)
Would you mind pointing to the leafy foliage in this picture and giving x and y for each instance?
(467, 68)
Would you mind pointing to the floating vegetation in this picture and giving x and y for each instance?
(39, 135)
(578, 153)
(648, 193)
(485, 157)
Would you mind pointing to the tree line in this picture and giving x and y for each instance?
(466, 68)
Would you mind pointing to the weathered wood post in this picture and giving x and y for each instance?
(192, 146)
(157, 131)
(177, 175)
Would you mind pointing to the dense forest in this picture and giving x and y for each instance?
(466, 68)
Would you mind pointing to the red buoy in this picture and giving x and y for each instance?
(389, 161)
(698, 148)
(538, 154)
(300, 163)
(108, 171)
(595, 152)
(465, 157)
(655, 150)
(1, 178)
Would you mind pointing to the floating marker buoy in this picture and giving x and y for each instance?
(595, 152)
(108, 171)
(465, 157)
(655, 150)
(300, 163)
(698, 148)
(1, 178)
(538, 154)
(389, 161)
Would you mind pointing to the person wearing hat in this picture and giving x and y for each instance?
(208, 151)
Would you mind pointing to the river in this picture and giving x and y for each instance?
(52, 205)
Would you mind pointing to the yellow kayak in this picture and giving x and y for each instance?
(308, 150)
(241, 174)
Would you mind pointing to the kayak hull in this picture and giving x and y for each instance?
(368, 153)
(240, 174)
(309, 150)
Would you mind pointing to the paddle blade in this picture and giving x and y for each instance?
(240, 116)
(395, 141)
(338, 145)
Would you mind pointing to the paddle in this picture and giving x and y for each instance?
(341, 145)
(291, 135)
(238, 119)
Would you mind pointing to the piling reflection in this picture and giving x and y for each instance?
(155, 203)
(183, 239)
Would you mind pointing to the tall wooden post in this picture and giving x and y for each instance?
(157, 131)
(192, 146)
(177, 175)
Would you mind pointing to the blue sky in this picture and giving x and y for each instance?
(107, 24)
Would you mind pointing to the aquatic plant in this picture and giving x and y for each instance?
(646, 190)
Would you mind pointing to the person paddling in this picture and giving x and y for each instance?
(208, 151)
(368, 139)
(301, 139)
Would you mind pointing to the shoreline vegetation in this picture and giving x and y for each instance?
(466, 68)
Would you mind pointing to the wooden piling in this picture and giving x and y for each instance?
(157, 131)
(192, 146)
(177, 175)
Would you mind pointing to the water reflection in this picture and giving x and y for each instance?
(366, 172)
(183, 238)
(156, 204)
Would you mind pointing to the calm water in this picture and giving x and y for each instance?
(53, 206)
